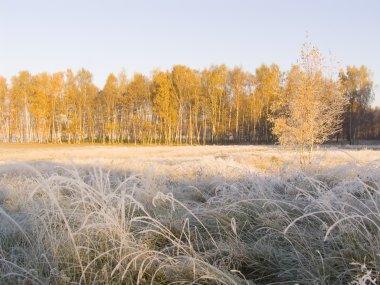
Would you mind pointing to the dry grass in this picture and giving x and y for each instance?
(187, 215)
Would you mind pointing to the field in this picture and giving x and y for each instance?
(188, 215)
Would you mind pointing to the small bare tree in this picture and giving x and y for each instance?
(310, 109)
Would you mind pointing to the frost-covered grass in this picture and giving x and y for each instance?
(188, 215)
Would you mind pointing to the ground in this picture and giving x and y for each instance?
(203, 214)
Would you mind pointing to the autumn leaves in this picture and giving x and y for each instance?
(303, 107)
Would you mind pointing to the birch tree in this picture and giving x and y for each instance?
(21, 93)
(110, 93)
(268, 83)
(310, 109)
(236, 84)
(138, 102)
(186, 85)
(4, 109)
(357, 87)
(165, 103)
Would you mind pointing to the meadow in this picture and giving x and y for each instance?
(188, 215)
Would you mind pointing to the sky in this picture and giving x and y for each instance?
(140, 36)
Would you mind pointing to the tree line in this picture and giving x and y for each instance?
(216, 105)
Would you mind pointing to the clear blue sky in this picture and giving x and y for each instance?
(108, 36)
